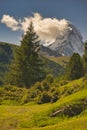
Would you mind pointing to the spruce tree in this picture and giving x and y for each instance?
(75, 67)
(27, 66)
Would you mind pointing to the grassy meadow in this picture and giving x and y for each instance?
(32, 116)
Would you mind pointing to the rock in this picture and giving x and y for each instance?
(65, 45)
(68, 110)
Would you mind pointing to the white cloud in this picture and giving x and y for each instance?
(10, 22)
(47, 28)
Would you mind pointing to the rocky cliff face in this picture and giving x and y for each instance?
(66, 44)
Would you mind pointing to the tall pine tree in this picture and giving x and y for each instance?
(27, 66)
(75, 68)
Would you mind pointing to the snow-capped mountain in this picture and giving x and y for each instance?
(65, 44)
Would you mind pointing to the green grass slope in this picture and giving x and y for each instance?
(62, 60)
(40, 117)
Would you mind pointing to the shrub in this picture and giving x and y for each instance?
(25, 98)
(8, 87)
(33, 94)
(54, 98)
(45, 85)
(44, 98)
(38, 86)
(86, 76)
(63, 82)
(50, 78)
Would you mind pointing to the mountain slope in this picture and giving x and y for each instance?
(6, 55)
(65, 44)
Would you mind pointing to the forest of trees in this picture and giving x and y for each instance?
(75, 69)
(77, 65)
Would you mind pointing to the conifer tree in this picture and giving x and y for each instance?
(27, 66)
(75, 68)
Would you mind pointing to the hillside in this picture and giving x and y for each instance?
(62, 60)
(43, 65)
(52, 104)
(6, 56)
(69, 112)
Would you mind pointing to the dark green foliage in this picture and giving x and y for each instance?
(85, 57)
(70, 110)
(45, 85)
(44, 98)
(6, 52)
(38, 86)
(27, 66)
(6, 56)
(25, 98)
(49, 78)
(54, 98)
(53, 68)
(85, 77)
(75, 68)
(12, 93)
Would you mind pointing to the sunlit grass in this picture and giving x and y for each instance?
(62, 60)
(34, 117)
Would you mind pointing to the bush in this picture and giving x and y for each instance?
(45, 85)
(63, 82)
(55, 96)
(33, 94)
(45, 98)
(50, 78)
(86, 76)
(9, 92)
(25, 98)
(8, 87)
(38, 86)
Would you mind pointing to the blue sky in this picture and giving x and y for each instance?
(72, 10)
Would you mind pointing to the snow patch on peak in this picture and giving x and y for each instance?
(47, 43)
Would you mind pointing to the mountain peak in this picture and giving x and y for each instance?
(68, 41)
